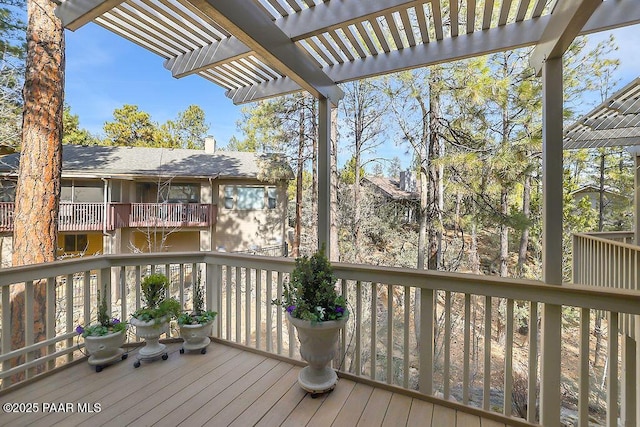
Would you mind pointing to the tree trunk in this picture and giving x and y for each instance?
(504, 233)
(474, 258)
(436, 150)
(334, 250)
(526, 213)
(314, 175)
(295, 252)
(38, 189)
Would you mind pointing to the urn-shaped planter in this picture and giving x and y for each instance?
(318, 346)
(105, 349)
(150, 331)
(196, 337)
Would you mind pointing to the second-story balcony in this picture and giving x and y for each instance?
(100, 217)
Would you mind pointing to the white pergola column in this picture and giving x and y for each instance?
(324, 173)
(552, 173)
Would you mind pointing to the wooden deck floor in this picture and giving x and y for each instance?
(227, 386)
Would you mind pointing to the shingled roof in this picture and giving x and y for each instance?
(106, 161)
(390, 187)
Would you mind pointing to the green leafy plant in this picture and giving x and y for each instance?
(158, 305)
(311, 293)
(199, 316)
(106, 324)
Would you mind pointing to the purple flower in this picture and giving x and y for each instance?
(115, 321)
(291, 308)
(79, 330)
(340, 310)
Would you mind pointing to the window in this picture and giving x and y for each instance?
(228, 196)
(181, 193)
(75, 242)
(79, 192)
(7, 190)
(272, 195)
(250, 198)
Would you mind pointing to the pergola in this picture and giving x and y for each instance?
(613, 123)
(263, 48)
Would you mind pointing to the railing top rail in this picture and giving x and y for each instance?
(619, 300)
(592, 237)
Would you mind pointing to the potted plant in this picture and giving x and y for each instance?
(195, 326)
(318, 312)
(104, 339)
(152, 320)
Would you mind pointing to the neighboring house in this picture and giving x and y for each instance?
(135, 199)
(402, 193)
(617, 209)
(610, 198)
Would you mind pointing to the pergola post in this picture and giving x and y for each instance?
(324, 173)
(552, 173)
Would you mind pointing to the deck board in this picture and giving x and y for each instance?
(398, 411)
(376, 408)
(332, 404)
(354, 406)
(227, 386)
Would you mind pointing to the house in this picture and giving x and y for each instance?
(616, 208)
(401, 194)
(138, 199)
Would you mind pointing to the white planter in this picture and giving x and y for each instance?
(105, 349)
(196, 337)
(318, 346)
(150, 332)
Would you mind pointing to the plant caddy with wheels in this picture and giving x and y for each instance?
(104, 339)
(318, 312)
(195, 326)
(152, 320)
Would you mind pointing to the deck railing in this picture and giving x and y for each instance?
(469, 338)
(91, 216)
(606, 260)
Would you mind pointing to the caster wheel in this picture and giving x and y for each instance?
(136, 364)
(124, 356)
(182, 351)
(98, 368)
(165, 356)
(315, 395)
(203, 351)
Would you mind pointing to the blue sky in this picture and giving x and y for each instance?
(105, 71)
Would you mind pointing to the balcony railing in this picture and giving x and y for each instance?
(469, 338)
(170, 215)
(91, 216)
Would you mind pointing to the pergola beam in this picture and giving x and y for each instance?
(567, 20)
(246, 21)
(74, 14)
(206, 57)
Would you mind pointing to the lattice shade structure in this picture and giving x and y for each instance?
(261, 48)
(615, 122)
